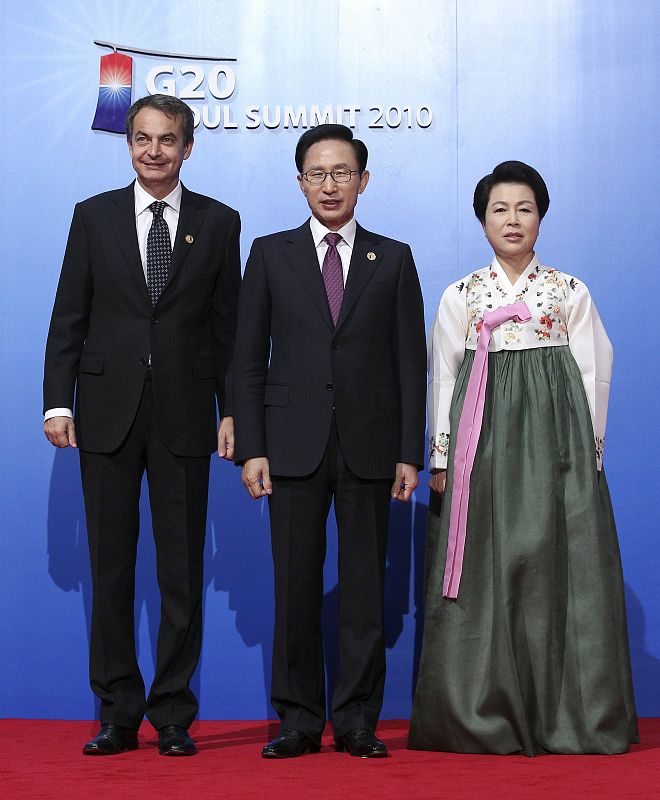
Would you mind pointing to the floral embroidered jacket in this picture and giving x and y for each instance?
(563, 314)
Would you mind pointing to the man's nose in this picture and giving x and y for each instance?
(154, 148)
(329, 184)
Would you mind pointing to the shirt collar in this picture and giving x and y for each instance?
(347, 232)
(143, 199)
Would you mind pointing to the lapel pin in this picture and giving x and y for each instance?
(371, 256)
(189, 238)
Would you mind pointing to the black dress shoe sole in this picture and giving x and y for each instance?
(99, 751)
(177, 747)
(342, 748)
(307, 749)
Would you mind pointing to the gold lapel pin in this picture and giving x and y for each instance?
(189, 238)
(371, 256)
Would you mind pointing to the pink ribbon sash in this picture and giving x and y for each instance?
(467, 438)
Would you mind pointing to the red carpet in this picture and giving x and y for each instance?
(42, 759)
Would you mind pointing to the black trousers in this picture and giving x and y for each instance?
(178, 493)
(299, 510)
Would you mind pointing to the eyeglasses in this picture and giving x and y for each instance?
(317, 176)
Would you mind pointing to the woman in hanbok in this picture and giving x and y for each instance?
(525, 642)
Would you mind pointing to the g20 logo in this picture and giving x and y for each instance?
(191, 81)
(188, 81)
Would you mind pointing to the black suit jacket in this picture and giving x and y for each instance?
(292, 367)
(104, 327)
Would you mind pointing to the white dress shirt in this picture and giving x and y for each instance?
(344, 248)
(143, 219)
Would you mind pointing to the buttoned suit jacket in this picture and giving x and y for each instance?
(293, 369)
(104, 327)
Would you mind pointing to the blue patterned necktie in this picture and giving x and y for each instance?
(159, 252)
(333, 275)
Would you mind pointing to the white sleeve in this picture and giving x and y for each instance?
(58, 412)
(592, 351)
(446, 348)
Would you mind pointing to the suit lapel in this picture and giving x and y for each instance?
(122, 215)
(365, 259)
(123, 221)
(303, 259)
(190, 220)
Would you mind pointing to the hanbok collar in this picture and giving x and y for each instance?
(523, 282)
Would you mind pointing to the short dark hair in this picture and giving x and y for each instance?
(511, 172)
(328, 131)
(170, 106)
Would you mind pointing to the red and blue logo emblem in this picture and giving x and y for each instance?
(115, 87)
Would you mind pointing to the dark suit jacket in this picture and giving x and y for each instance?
(291, 367)
(104, 326)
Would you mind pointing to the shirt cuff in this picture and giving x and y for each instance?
(58, 412)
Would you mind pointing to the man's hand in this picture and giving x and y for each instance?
(438, 480)
(226, 438)
(60, 432)
(405, 482)
(256, 477)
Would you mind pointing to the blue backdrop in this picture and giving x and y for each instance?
(441, 91)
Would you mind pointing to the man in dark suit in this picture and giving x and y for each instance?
(142, 330)
(329, 390)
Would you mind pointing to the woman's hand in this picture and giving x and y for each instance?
(438, 480)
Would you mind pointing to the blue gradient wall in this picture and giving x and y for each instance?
(570, 87)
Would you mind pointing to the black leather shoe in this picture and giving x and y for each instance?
(362, 743)
(173, 740)
(289, 744)
(110, 740)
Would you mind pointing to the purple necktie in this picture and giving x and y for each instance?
(467, 438)
(333, 275)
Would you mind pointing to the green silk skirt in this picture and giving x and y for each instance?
(532, 657)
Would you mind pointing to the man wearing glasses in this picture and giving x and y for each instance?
(329, 395)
